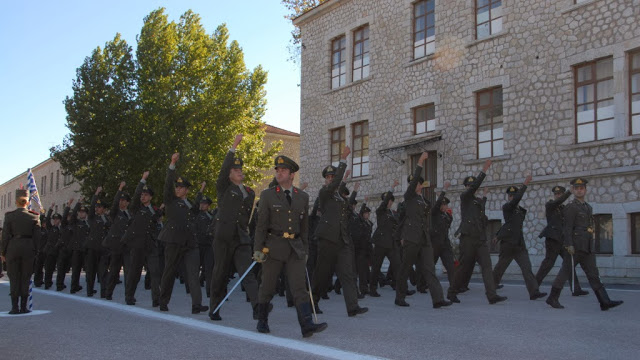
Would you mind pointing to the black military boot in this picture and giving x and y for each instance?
(374, 293)
(605, 302)
(24, 308)
(14, 306)
(553, 298)
(262, 311)
(497, 299)
(401, 302)
(357, 311)
(196, 309)
(441, 303)
(307, 326)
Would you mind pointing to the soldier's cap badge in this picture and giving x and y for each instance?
(280, 160)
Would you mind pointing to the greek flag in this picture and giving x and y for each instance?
(33, 189)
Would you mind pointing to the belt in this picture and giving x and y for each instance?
(284, 234)
(588, 229)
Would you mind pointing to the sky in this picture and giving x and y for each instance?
(43, 42)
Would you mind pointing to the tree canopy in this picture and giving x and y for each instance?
(297, 8)
(183, 91)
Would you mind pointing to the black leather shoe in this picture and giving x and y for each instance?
(580, 292)
(422, 291)
(499, 286)
(463, 290)
(453, 299)
(537, 295)
(109, 297)
(497, 299)
(196, 309)
(401, 303)
(130, 302)
(318, 311)
(215, 316)
(290, 303)
(374, 293)
(410, 292)
(164, 308)
(155, 303)
(360, 296)
(442, 303)
(325, 296)
(357, 311)
(90, 294)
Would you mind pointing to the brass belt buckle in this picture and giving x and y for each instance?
(286, 235)
(590, 229)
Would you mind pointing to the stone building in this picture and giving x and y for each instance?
(54, 187)
(290, 147)
(550, 87)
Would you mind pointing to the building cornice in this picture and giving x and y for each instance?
(319, 10)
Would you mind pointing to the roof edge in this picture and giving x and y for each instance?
(317, 11)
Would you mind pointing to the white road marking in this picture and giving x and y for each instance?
(298, 345)
(32, 313)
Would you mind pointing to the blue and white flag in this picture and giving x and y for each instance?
(33, 189)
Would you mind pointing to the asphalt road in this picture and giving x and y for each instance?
(74, 327)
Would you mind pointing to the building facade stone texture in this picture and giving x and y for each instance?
(532, 59)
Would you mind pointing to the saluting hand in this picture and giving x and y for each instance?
(122, 185)
(98, 190)
(346, 175)
(487, 165)
(237, 141)
(528, 179)
(447, 185)
(424, 156)
(345, 152)
(174, 158)
(356, 187)
(395, 183)
(145, 175)
(485, 191)
(204, 183)
(304, 185)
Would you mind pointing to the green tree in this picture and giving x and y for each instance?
(185, 91)
(297, 8)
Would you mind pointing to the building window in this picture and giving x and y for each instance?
(635, 233)
(634, 86)
(594, 100)
(51, 183)
(424, 28)
(493, 226)
(43, 187)
(361, 53)
(337, 145)
(424, 119)
(56, 209)
(490, 135)
(338, 62)
(488, 18)
(67, 179)
(9, 200)
(360, 163)
(57, 180)
(604, 233)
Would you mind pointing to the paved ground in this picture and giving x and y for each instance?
(75, 327)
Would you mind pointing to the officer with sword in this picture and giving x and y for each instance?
(282, 240)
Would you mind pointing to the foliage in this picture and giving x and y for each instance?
(184, 91)
(297, 8)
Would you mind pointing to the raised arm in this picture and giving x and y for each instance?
(470, 192)
(223, 177)
(135, 202)
(411, 190)
(169, 194)
(552, 204)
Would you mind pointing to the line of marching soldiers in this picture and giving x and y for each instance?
(293, 246)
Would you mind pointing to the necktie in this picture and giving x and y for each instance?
(126, 215)
(288, 194)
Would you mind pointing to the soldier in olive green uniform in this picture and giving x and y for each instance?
(580, 244)
(553, 237)
(97, 263)
(512, 245)
(383, 239)
(282, 241)
(51, 247)
(473, 240)
(180, 241)
(20, 235)
(120, 219)
(416, 241)
(335, 248)
(231, 242)
(441, 219)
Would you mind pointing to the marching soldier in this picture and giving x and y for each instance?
(64, 254)
(205, 240)
(473, 240)
(553, 237)
(282, 241)
(179, 239)
(383, 239)
(20, 235)
(441, 220)
(512, 245)
(120, 220)
(38, 273)
(50, 248)
(362, 246)
(232, 243)
(79, 235)
(579, 242)
(97, 263)
(335, 247)
(140, 236)
(416, 241)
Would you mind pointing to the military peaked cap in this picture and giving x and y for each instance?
(287, 163)
(237, 163)
(182, 182)
(21, 193)
(206, 199)
(512, 190)
(125, 196)
(558, 189)
(100, 203)
(468, 180)
(147, 189)
(579, 182)
(410, 177)
(329, 170)
(384, 194)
